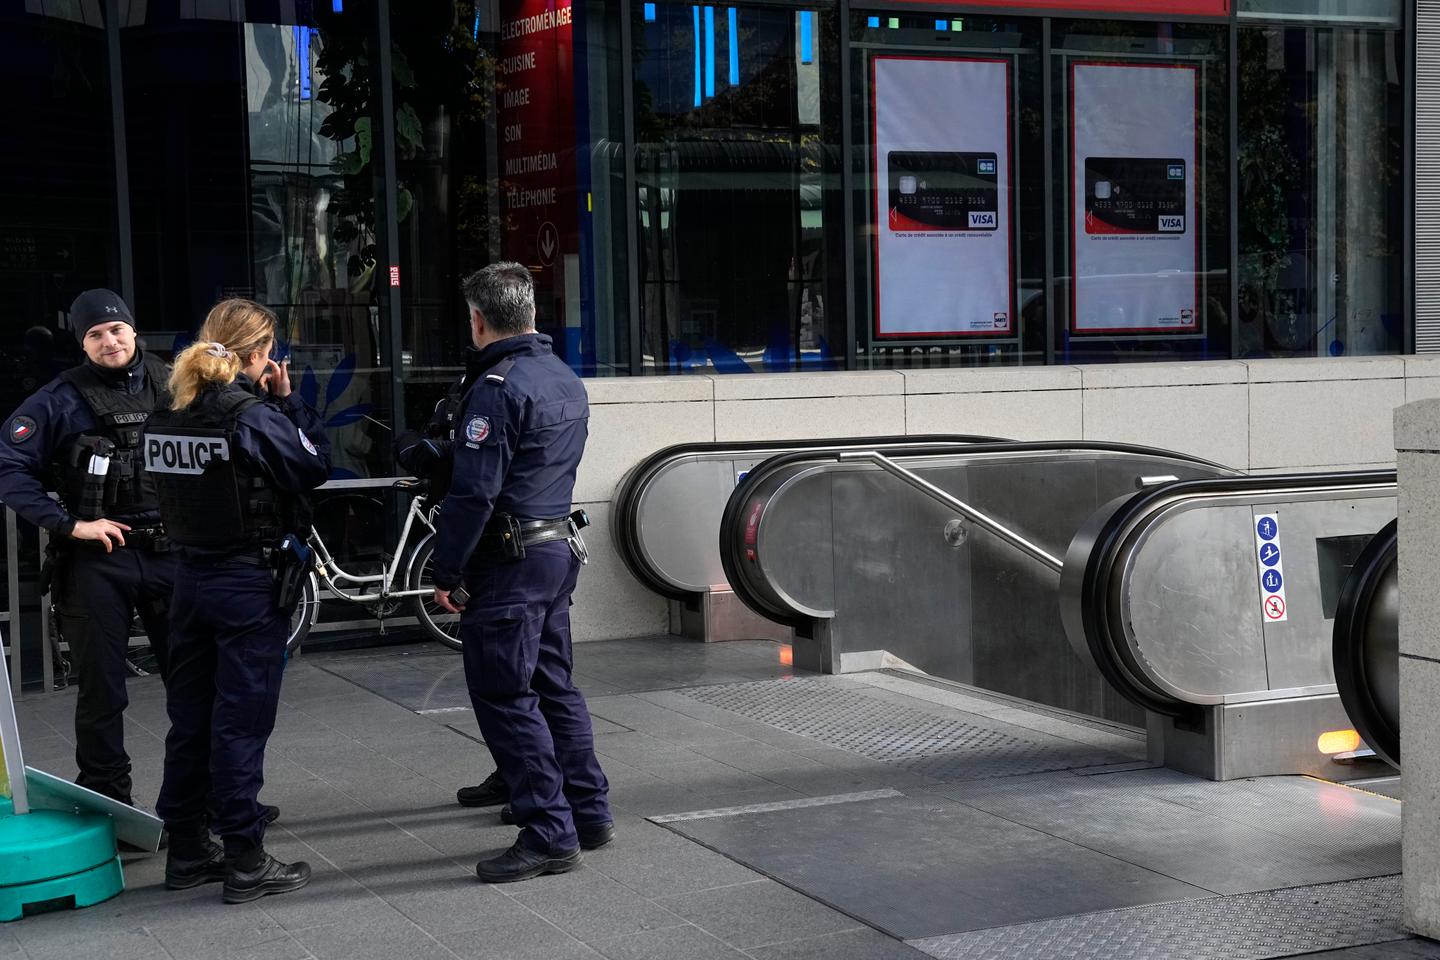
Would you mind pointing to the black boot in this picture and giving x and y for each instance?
(192, 861)
(595, 835)
(251, 873)
(488, 793)
(522, 863)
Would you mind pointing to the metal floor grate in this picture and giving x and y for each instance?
(1252, 926)
(851, 717)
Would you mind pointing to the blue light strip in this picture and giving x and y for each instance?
(873, 23)
(337, 6)
(807, 43)
(734, 49)
(302, 59)
(475, 30)
(709, 51)
(698, 93)
(649, 13)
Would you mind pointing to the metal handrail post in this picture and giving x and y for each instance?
(981, 520)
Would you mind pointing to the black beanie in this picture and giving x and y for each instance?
(97, 306)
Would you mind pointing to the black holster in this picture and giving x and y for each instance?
(290, 562)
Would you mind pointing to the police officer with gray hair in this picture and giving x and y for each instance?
(79, 436)
(507, 555)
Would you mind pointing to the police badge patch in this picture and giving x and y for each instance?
(21, 429)
(305, 442)
(477, 429)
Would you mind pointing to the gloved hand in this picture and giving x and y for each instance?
(418, 453)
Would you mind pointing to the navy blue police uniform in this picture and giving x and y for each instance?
(233, 470)
(92, 410)
(517, 445)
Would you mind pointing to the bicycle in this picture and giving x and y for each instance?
(418, 582)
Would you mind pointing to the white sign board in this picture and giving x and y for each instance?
(942, 197)
(1271, 568)
(1135, 237)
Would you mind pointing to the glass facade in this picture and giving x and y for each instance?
(743, 188)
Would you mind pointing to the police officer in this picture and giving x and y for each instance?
(507, 535)
(79, 435)
(430, 454)
(233, 459)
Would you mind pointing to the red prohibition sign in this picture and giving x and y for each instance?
(1274, 607)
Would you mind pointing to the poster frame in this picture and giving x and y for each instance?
(1197, 326)
(940, 337)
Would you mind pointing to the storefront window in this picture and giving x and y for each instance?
(1321, 192)
(1141, 191)
(507, 149)
(737, 168)
(57, 190)
(251, 174)
(949, 261)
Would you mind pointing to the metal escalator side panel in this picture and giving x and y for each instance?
(635, 490)
(1366, 644)
(1087, 585)
(1214, 663)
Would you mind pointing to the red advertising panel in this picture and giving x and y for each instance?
(535, 109)
(1166, 8)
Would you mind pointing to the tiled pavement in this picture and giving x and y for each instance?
(365, 781)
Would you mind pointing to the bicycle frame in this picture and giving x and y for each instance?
(333, 575)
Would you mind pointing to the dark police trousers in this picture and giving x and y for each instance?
(227, 654)
(99, 595)
(516, 636)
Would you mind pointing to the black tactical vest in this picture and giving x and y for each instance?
(120, 416)
(208, 500)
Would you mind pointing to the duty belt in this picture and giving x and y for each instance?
(531, 533)
(143, 538)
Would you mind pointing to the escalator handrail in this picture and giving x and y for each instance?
(730, 557)
(1352, 614)
(625, 518)
(1123, 527)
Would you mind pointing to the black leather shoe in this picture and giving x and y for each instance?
(205, 865)
(507, 815)
(269, 814)
(522, 863)
(490, 792)
(271, 876)
(595, 835)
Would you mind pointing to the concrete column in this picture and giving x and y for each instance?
(1417, 440)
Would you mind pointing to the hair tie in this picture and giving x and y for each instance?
(218, 350)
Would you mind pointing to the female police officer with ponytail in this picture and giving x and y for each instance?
(233, 459)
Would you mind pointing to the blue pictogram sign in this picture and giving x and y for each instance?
(1272, 581)
(1267, 528)
(1269, 554)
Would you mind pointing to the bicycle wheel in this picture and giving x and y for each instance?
(440, 623)
(304, 616)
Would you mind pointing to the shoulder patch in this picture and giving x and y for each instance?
(477, 430)
(305, 442)
(21, 429)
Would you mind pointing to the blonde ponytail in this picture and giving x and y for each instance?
(233, 331)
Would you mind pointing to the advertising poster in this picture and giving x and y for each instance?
(942, 197)
(1135, 240)
(535, 109)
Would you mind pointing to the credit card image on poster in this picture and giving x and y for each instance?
(936, 190)
(1134, 195)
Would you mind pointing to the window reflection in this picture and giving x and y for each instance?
(1321, 237)
(736, 169)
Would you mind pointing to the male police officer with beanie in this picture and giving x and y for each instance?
(507, 536)
(79, 435)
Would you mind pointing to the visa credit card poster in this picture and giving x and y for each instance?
(942, 197)
(1135, 240)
